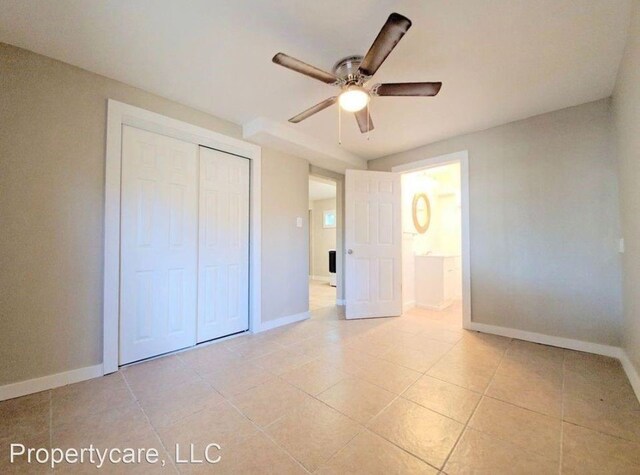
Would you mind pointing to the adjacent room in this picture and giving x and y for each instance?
(322, 242)
(432, 243)
(332, 237)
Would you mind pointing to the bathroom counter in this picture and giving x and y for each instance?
(438, 280)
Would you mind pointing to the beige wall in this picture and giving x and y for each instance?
(285, 247)
(322, 238)
(544, 223)
(626, 107)
(52, 149)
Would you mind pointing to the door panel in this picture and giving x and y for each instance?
(158, 245)
(373, 239)
(223, 261)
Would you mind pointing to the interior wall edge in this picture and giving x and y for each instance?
(626, 114)
(616, 352)
(52, 381)
(35, 385)
(279, 322)
(285, 256)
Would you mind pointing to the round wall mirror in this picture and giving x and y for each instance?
(421, 209)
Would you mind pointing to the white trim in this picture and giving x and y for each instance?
(191, 348)
(119, 114)
(408, 305)
(632, 372)
(570, 344)
(341, 302)
(31, 386)
(463, 158)
(435, 307)
(289, 139)
(321, 278)
(561, 342)
(278, 322)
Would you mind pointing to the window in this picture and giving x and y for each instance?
(329, 219)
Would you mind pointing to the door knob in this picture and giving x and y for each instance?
(349, 251)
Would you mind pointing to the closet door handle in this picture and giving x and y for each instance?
(349, 251)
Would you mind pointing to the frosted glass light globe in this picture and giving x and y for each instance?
(353, 99)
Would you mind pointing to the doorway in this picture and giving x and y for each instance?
(323, 220)
(435, 239)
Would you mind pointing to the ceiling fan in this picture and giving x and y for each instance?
(352, 73)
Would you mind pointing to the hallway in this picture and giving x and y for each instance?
(321, 294)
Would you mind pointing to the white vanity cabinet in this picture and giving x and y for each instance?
(438, 281)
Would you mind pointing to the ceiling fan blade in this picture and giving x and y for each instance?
(407, 89)
(389, 36)
(312, 110)
(364, 120)
(304, 68)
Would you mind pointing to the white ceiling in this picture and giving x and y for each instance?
(320, 189)
(499, 60)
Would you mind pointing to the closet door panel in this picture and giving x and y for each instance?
(223, 260)
(158, 268)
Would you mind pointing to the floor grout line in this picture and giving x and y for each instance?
(363, 427)
(372, 359)
(266, 434)
(228, 399)
(50, 419)
(466, 425)
(564, 357)
(401, 396)
(153, 428)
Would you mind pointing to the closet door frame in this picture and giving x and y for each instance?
(118, 115)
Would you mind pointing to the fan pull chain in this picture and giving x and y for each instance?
(368, 117)
(339, 126)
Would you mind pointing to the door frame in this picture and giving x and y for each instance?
(118, 115)
(338, 179)
(461, 157)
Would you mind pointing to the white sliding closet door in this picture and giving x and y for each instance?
(223, 261)
(159, 222)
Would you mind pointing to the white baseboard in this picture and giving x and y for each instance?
(632, 373)
(435, 307)
(278, 322)
(321, 278)
(31, 386)
(568, 343)
(408, 305)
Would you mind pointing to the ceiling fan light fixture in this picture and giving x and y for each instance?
(351, 73)
(354, 98)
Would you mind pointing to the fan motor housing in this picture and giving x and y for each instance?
(347, 69)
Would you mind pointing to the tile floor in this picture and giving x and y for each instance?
(414, 394)
(321, 295)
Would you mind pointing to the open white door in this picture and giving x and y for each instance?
(373, 243)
